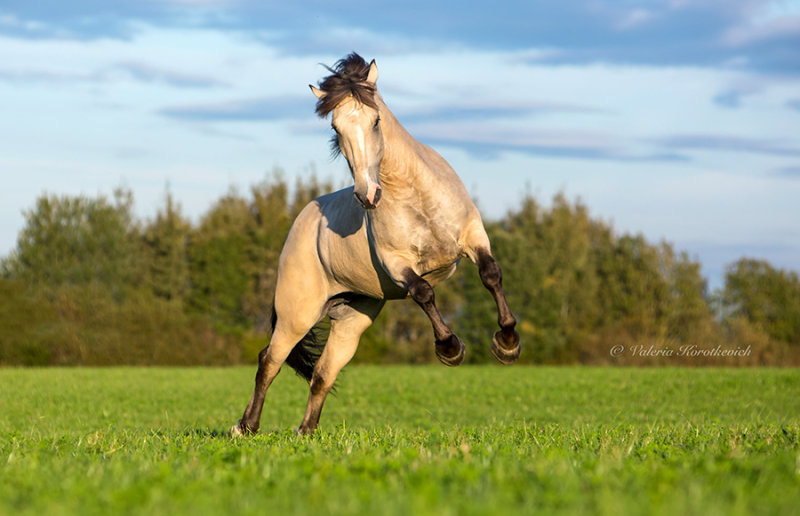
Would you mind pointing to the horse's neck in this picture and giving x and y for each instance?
(418, 185)
(401, 164)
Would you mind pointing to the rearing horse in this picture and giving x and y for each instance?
(400, 230)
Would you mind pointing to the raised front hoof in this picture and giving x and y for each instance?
(506, 352)
(450, 352)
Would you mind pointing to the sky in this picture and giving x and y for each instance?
(676, 119)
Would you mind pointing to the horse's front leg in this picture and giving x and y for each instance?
(449, 348)
(505, 343)
(269, 365)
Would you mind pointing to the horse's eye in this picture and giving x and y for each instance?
(377, 121)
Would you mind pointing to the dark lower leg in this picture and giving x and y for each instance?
(318, 392)
(449, 348)
(422, 293)
(347, 325)
(267, 371)
(492, 278)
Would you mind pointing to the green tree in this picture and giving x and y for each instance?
(77, 241)
(216, 251)
(635, 292)
(689, 316)
(767, 297)
(266, 232)
(27, 332)
(165, 239)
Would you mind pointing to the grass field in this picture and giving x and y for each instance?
(403, 440)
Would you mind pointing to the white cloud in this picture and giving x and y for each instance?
(635, 19)
(14, 22)
(764, 20)
(743, 35)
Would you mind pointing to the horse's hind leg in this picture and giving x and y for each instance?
(348, 322)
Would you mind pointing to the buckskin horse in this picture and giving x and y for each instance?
(398, 231)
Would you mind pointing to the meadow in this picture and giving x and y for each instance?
(403, 440)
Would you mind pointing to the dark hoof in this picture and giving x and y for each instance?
(450, 352)
(506, 352)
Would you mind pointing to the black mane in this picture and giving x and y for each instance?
(348, 77)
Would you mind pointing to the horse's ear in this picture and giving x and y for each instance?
(372, 76)
(316, 91)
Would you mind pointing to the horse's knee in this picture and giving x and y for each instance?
(268, 360)
(421, 291)
(490, 272)
(262, 356)
(319, 384)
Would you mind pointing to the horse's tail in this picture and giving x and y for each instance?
(306, 353)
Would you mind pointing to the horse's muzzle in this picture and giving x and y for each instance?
(371, 200)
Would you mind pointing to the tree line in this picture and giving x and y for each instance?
(90, 284)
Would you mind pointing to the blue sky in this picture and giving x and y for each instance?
(678, 119)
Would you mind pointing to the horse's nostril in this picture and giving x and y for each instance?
(362, 200)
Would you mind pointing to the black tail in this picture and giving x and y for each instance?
(306, 353)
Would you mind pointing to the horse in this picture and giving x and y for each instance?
(398, 231)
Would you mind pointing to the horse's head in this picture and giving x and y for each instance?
(349, 95)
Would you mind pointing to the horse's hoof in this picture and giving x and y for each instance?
(241, 430)
(450, 352)
(302, 431)
(506, 353)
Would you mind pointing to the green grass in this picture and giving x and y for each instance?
(403, 440)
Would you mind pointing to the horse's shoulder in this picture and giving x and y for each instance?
(340, 213)
(334, 197)
(338, 204)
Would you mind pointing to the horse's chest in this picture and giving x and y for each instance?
(431, 245)
(434, 254)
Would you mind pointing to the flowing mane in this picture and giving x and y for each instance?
(348, 77)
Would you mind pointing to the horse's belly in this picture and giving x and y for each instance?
(352, 275)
